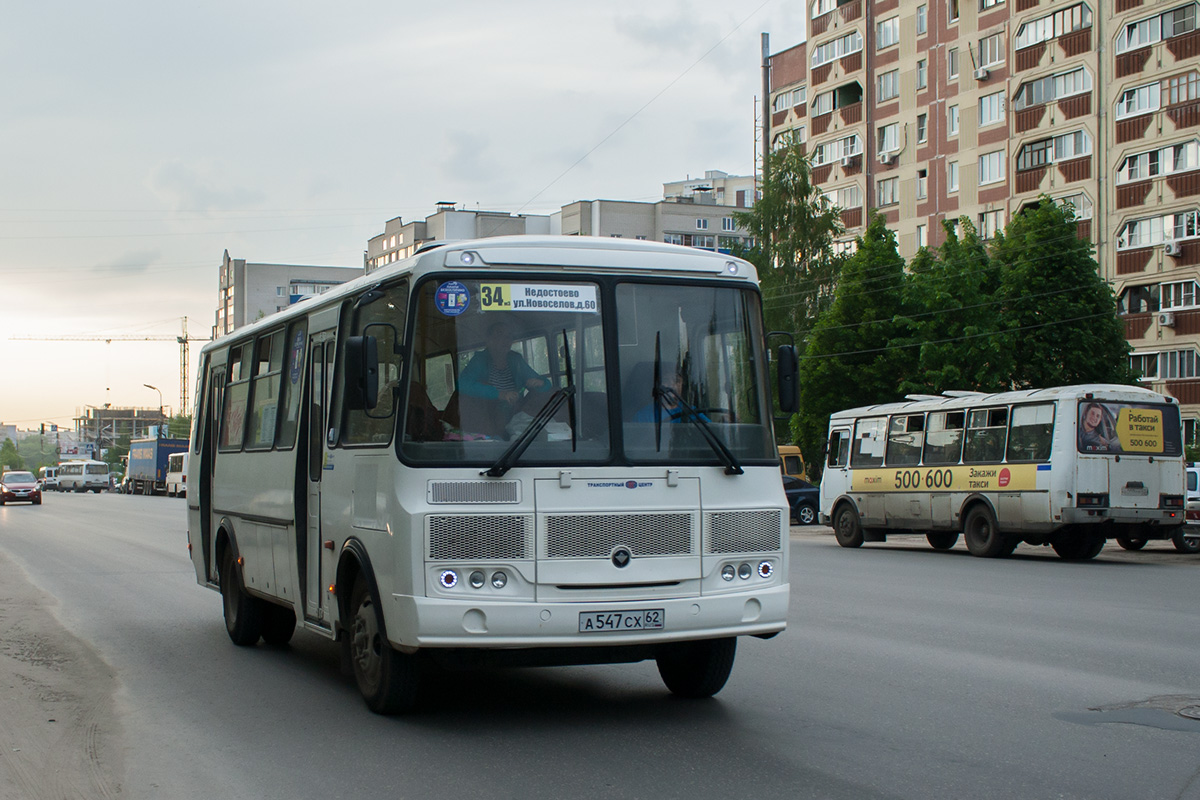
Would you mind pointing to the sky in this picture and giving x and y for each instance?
(141, 140)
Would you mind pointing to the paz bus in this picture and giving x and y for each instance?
(82, 475)
(511, 451)
(1068, 467)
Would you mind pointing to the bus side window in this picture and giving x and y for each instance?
(944, 437)
(1032, 433)
(905, 439)
(986, 430)
(233, 416)
(382, 318)
(870, 440)
(839, 449)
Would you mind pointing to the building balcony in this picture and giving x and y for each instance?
(1029, 57)
(1079, 105)
(1025, 5)
(1130, 262)
(1126, 5)
(1075, 169)
(1030, 180)
(852, 218)
(1165, 55)
(1071, 44)
(1185, 390)
(1133, 194)
(1028, 118)
(1136, 325)
(1159, 190)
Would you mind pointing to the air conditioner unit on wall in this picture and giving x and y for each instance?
(886, 158)
(981, 74)
(846, 161)
(1172, 248)
(1167, 319)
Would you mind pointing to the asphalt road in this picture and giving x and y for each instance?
(905, 673)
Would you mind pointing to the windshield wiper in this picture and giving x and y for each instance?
(509, 457)
(664, 395)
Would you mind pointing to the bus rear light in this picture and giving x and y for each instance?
(1091, 501)
(1170, 501)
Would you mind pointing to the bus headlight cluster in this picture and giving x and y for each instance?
(476, 579)
(745, 570)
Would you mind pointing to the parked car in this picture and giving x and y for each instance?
(803, 498)
(18, 486)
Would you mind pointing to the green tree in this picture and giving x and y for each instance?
(1058, 314)
(953, 298)
(794, 226)
(179, 426)
(857, 353)
(114, 454)
(9, 457)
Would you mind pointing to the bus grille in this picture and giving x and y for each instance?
(480, 536)
(743, 531)
(596, 535)
(474, 492)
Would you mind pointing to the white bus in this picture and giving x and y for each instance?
(79, 476)
(1067, 467)
(177, 474)
(518, 450)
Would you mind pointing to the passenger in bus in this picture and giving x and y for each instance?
(500, 375)
(672, 411)
(1096, 432)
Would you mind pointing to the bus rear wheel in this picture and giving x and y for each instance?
(1183, 545)
(387, 679)
(243, 613)
(983, 535)
(1077, 549)
(942, 541)
(1131, 544)
(697, 669)
(846, 528)
(279, 623)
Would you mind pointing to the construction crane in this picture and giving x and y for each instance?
(183, 339)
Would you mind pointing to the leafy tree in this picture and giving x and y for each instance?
(793, 226)
(179, 426)
(1059, 315)
(114, 454)
(955, 318)
(9, 457)
(857, 352)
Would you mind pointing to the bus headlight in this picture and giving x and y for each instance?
(499, 580)
(744, 572)
(728, 572)
(448, 579)
(476, 579)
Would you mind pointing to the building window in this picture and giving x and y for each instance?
(922, 127)
(952, 115)
(1080, 203)
(889, 137)
(887, 33)
(1178, 295)
(1181, 157)
(673, 238)
(1059, 148)
(991, 223)
(953, 9)
(991, 50)
(845, 197)
(1181, 89)
(1034, 155)
(1052, 87)
(1043, 29)
(922, 236)
(1179, 364)
(984, 5)
(887, 192)
(922, 184)
(727, 224)
(832, 51)
(1156, 230)
(1152, 30)
(952, 63)
(922, 17)
(834, 151)
(922, 73)
(889, 84)
(701, 224)
(952, 176)
(991, 109)
(991, 167)
(1145, 365)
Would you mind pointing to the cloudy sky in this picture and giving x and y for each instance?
(141, 140)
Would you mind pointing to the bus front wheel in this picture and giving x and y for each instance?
(942, 541)
(846, 528)
(243, 613)
(697, 669)
(387, 678)
(983, 535)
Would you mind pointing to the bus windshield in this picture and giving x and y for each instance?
(488, 355)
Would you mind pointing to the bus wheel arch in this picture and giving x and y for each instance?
(243, 612)
(847, 527)
(982, 532)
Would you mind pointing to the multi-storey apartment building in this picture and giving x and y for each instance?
(940, 109)
(248, 291)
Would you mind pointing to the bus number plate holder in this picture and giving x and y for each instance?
(638, 620)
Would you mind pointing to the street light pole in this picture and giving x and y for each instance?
(160, 408)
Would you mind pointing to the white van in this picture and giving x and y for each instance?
(177, 475)
(48, 478)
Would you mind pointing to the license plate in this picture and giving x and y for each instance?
(640, 620)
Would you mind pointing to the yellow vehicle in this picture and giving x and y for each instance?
(791, 462)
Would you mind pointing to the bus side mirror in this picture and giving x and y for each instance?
(789, 390)
(362, 372)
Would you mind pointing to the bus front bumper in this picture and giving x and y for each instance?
(461, 623)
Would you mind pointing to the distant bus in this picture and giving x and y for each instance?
(177, 475)
(48, 478)
(790, 460)
(79, 476)
(1067, 467)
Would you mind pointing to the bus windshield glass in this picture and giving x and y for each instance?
(489, 355)
(1136, 428)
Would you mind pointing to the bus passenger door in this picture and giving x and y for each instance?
(320, 374)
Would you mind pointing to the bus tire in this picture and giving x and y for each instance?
(243, 613)
(696, 669)
(942, 540)
(1183, 545)
(1130, 544)
(387, 679)
(1077, 549)
(983, 536)
(846, 528)
(279, 623)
